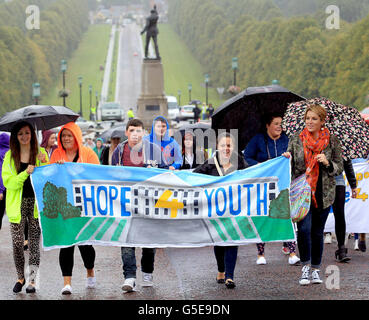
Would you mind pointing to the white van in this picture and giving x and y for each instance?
(173, 108)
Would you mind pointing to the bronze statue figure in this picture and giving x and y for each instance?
(151, 32)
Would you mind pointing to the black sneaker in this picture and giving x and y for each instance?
(31, 288)
(18, 286)
(362, 246)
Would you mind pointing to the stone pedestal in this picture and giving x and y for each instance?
(152, 101)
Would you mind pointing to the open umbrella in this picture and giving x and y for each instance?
(344, 122)
(247, 110)
(41, 117)
(117, 130)
(193, 126)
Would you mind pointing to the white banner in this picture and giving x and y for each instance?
(356, 210)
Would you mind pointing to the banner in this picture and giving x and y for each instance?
(141, 207)
(356, 210)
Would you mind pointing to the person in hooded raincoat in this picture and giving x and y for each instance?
(168, 154)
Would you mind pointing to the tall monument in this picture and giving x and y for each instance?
(152, 101)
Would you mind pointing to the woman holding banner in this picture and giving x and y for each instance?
(225, 161)
(263, 147)
(71, 149)
(18, 165)
(317, 154)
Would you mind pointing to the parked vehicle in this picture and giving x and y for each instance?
(111, 111)
(186, 112)
(173, 108)
(85, 124)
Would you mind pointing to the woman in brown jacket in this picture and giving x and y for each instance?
(316, 153)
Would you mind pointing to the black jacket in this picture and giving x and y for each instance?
(211, 170)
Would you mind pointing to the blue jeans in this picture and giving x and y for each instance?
(310, 236)
(226, 259)
(129, 261)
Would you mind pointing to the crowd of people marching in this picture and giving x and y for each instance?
(314, 152)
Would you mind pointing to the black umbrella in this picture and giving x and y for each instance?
(117, 130)
(41, 117)
(247, 110)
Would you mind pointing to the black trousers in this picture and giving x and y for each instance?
(66, 258)
(2, 209)
(339, 214)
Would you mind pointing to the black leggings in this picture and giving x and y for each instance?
(2, 209)
(66, 258)
(339, 214)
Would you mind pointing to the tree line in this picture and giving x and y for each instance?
(28, 56)
(299, 51)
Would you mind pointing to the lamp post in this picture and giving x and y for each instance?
(189, 92)
(207, 86)
(179, 97)
(63, 68)
(80, 78)
(90, 91)
(97, 98)
(234, 67)
(36, 91)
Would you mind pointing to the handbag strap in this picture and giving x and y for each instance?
(217, 166)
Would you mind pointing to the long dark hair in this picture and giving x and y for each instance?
(15, 146)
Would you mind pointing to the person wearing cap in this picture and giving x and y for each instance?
(107, 152)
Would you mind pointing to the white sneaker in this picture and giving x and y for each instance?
(315, 277)
(305, 276)
(147, 279)
(293, 260)
(129, 285)
(91, 282)
(261, 260)
(356, 245)
(67, 289)
(328, 238)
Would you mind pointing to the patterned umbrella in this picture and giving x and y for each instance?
(342, 121)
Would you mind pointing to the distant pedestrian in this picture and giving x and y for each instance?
(210, 110)
(203, 111)
(196, 113)
(130, 114)
(18, 165)
(316, 153)
(225, 161)
(71, 149)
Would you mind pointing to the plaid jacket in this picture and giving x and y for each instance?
(333, 154)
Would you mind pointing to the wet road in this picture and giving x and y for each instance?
(189, 274)
(130, 60)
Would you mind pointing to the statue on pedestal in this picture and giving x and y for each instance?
(151, 32)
